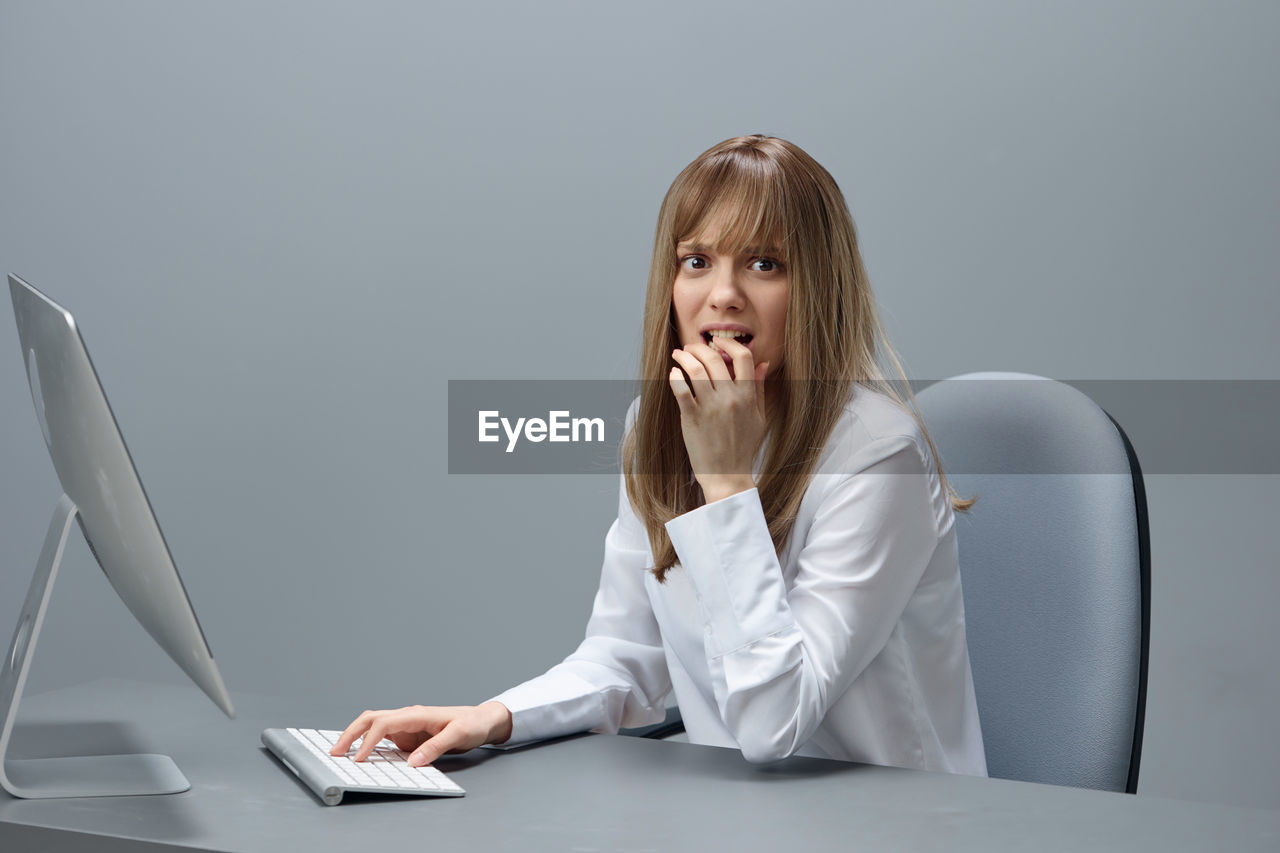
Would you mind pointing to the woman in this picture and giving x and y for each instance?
(784, 555)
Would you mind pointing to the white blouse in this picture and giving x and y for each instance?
(852, 646)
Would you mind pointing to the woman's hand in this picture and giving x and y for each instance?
(427, 732)
(722, 416)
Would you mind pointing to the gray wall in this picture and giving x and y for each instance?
(284, 226)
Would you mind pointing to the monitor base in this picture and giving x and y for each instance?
(94, 776)
(87, 776)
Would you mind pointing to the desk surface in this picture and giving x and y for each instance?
(591, 792)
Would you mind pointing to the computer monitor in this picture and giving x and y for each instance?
(102, 491)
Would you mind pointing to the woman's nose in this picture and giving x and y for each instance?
(726, 290)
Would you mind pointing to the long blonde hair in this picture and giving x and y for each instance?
(767, 188)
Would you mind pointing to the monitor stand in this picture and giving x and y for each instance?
(82, 776)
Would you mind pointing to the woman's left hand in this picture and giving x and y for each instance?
(722, 416)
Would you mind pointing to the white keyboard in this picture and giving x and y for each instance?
(386, 771)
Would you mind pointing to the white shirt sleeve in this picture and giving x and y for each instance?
(617, 677)
(781, 651)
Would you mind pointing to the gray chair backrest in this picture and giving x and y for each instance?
(1054, 560)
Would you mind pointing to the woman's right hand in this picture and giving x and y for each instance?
(427, 732)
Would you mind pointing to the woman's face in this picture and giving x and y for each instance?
(718, 294)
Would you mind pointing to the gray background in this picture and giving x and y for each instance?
(284, 226)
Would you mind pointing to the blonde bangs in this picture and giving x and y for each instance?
(739, 193)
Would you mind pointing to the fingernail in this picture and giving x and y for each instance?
(415, 760)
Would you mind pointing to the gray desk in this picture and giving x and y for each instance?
(591, 792)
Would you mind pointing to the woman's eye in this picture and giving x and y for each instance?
(765, 265)
(693, 262)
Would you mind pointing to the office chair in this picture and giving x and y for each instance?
(1055, 564)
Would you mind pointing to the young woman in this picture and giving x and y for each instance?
(784, 556)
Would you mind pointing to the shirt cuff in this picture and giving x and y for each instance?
(553, 704)
(726, 550)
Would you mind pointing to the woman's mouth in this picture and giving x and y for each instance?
(743, 338)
